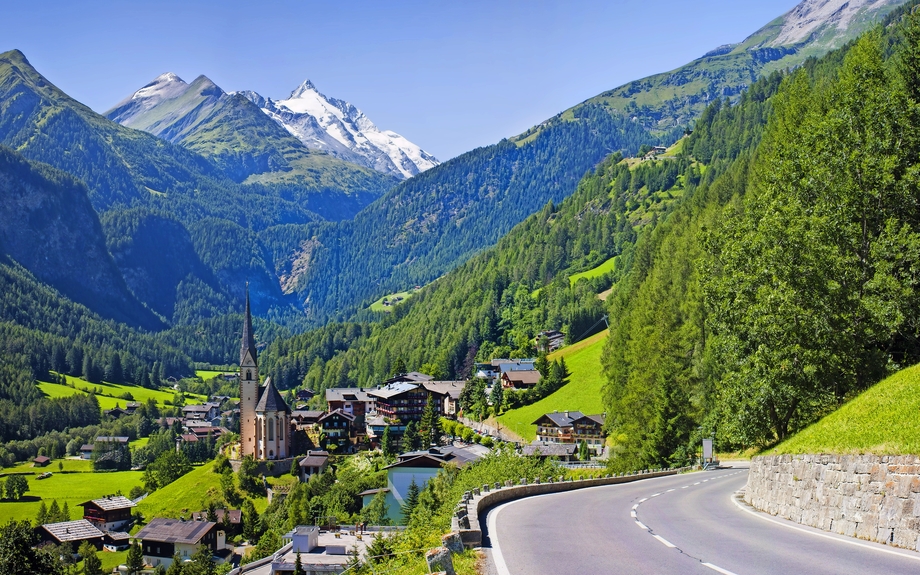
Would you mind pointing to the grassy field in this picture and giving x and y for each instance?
(110, 394)
(74, 488)
(206, 374)
(607, 266)
(882, 420)
(192, 491)
(582, 393)
(378, 305)
(70, 466)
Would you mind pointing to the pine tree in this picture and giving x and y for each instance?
(42, 516)
(410, 439)
(386, 443)
(298, 566)
(65, 512)
(135, 560)
(92, 565)
(176, 567)
(113, 370)
(410, 502)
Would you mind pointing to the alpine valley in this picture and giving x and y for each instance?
(740, 236)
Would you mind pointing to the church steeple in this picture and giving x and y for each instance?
(249, 341)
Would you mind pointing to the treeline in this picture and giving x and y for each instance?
(785, 284)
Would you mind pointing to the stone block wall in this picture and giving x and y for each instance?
(871, 497)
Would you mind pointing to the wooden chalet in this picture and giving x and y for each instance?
(111, 513)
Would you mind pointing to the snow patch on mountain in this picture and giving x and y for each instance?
(811, 15)
(343, 130)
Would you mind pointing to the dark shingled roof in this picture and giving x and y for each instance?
(174, 531)
(270, 399)
(249, 340)
(550, 449)
(110, 503)
(73, 530)
(314, 459)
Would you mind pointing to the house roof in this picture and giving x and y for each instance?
(203, 408)
(393, 389)
(270, 399)
(248, 343)
(110, 503)
(451, 388)
(301, 530)
(550, 449)
(561, 418)
(236, 516)
(41, 459)
(314, 459)
(86, 447)
(189, 437)
(175, 531)
(436, 457)
(411, 376)
(522, 376)
(339, 393)
(307, 414)
(113, 439)
(73, 530)
(374, 491)
(347, 416)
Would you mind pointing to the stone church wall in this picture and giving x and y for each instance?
(871, 497)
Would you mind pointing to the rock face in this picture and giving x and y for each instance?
(825, 16)
(871, 497)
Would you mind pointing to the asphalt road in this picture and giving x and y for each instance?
(681, 524)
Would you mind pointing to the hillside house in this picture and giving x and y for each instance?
(520, 379)
(304, 394)
(559, 451)
(234, 520)
(305, 418)
(204, 412)
(313, 464)
(549, 340)
(351, 400)
(404, 401)
(447, 394)
(162, 538)
(86, 451)
(493, 370)
(112, 513)
(571, 427)
(338, 427)
(41, 461)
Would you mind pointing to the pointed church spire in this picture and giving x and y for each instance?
(249, 340)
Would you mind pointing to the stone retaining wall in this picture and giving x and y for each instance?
(872, 497)
(474, 504)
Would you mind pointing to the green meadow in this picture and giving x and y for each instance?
(378, 305)
(883, 419)
(71, 487)
(110, 394)
(582, 393)
(605, 267)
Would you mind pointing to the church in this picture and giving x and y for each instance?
(265, 418)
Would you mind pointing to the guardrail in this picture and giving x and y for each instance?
(465, 520)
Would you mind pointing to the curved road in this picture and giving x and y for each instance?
(682, 524)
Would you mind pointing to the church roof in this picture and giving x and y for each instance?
(249, 340)
(270, 399)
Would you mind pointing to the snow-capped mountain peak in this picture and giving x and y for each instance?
(344, 131)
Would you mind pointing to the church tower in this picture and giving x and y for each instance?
(249, 386)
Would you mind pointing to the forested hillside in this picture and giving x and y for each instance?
(789, 285)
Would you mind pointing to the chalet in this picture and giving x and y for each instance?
(108, 513)
(305, 418)
(203, 412)
(447, 393)
(560, 451)
(376, 424)
(115, 412)
(86, 451)
(520, 379)
(572, 427)
(163, 538)
(313, 464)
(352, 400)
(131, 407)
(234, 521)
(411, 377)
(420, 466)
(112, 441)
(549, 340)
(41, 461)
(304, 394)
(493, 370)
(73, 532)
(337, 426)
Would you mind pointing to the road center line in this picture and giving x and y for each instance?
(664, 541)
(641, 525)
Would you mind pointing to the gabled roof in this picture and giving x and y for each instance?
(175, 531)
(248, 343)
(314, 459)
(270, 399)
(412, 376)
(73, 530)
(113, 439)
(451, 388)
(347, 416)
(600, 418)
(522, 376)
(560, 418)
(374, 491)
(110, 503)
(339, 393)
(41, 459)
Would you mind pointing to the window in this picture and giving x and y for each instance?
(271, 430)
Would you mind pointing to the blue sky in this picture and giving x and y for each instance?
(450, 76)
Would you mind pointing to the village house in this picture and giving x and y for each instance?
(520, 379)
(549, 340)
(86, 451)
(233, 525)
(352, 400)
(337, 426)
(73, 532)
(559, 451)
(203, 412)
(304, 394)
(447, 394)
(112, 513)
(404, 401)
(163, 538)
(313, 464)
(303, 418)
(41, 461)
(572, 427)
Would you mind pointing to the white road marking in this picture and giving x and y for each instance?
(643, 500)
(632, 514)
(698, 482)
(664, 541)
(685, 486)
(641, 525)
(656, 494)
(669, 490)
(839, 539)
(636, 506)
(719, 569)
